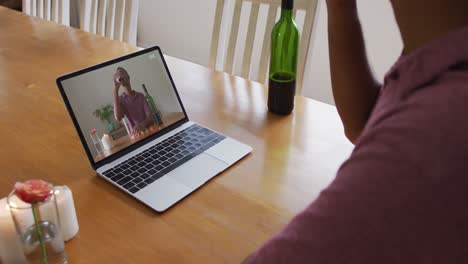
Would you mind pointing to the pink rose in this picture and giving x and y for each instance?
(33, 191)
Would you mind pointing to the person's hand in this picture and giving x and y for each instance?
(138, 130)
(116, 83)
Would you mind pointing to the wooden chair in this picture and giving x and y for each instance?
(52, 10)
(308, 6)
(115, 19)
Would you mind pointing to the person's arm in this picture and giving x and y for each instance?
(354, 88)
(118, 113)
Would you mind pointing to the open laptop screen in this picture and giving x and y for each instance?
(120, 103)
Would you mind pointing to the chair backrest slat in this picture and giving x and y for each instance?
(110, 19)
(228, 66)
(33, 7)
(93, 16)
(101, 18)
(47, 9)
(304, 45)
(119, 19)
(85, 14)
(131, 21)
(52, 10)
(248, 48)
(40, 9)
(64, 13)
(216, 33)
(264, 58)
(114, 19)
(26, 6)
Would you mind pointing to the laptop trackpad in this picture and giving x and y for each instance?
(163, 193)
(198, 170)
(229, 150)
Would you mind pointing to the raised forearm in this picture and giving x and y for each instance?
(354, 87)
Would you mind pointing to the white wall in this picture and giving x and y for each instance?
(89, 91)
(183, 29)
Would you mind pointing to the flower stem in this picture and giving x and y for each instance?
(39, 234)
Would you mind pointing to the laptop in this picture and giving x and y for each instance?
(136, 132)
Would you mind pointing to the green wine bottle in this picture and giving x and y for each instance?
(283, 62)
(154, 110)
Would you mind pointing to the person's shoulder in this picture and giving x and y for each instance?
(425, 120)
(447, 92)
(455, 80)
(443, 97)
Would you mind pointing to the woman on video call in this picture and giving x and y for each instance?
(131, 104)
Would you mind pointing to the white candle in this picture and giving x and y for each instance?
(106, 142)
(11, 250)
(66, 212)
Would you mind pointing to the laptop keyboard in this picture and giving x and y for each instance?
(143, 169)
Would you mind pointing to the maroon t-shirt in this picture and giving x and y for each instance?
(402, 197)
(135, 108)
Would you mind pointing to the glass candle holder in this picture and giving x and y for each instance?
(46, 228)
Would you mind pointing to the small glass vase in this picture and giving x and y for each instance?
(45, 228)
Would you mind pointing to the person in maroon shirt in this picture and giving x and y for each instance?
(402, 196)
(130, 103)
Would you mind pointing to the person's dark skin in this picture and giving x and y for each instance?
(354, 87)
(355, 99)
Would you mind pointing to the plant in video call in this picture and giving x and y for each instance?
(106, 114)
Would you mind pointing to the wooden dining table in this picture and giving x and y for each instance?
(294, 157)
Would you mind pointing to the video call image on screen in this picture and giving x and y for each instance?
(120, 104)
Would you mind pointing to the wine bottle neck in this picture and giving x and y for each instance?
(287, 9)
(144, 90)
(287, 4)
(286, 13)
